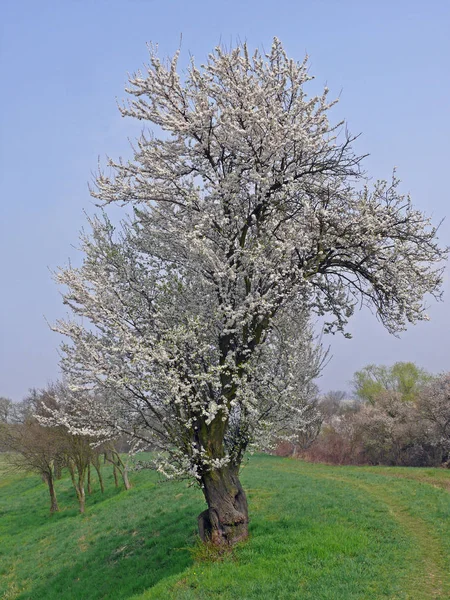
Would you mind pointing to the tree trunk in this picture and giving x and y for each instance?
(72, 474)
(78, 485)
(126, 481)
(119, 467)
(57, 467)
(225, 522)
(97, 467)
(81, 497)
(51, 488)
(89, 482)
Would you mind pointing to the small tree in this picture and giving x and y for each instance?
(46, 446)
(389, 430)
(5, 409)
(33, 447)
(78, 450)
(246, 208)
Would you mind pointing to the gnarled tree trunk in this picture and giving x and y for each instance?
(225, 522)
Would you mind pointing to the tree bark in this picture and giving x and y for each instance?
(225, 522)
(119, 467)
(89, 481)
(51, 488)
(57, 467)
(78, 485)
(126, 481)
(116, 481)
(97, 467)
(81, 498)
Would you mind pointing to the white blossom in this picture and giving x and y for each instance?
(248, 216)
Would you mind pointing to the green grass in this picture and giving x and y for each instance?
(317, 533)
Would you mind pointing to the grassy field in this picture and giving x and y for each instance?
(317, 532)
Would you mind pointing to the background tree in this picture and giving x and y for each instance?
(32, 447)
(28, 407)
(248, 205)
(119, 466)
(337, 441)
(5, 409)
(331, 403)
(434, 408)
(390, 431)
(404, 378)
(78, 450)
(401, 422)
(37, 443)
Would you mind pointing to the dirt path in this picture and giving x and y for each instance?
(443, 484)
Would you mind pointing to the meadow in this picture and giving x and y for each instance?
(317, 532)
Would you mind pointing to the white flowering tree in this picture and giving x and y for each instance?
(247, 214)
(434, 408)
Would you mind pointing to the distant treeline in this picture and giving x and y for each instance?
(398, 415)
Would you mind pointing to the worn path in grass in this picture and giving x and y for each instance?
(430, 577)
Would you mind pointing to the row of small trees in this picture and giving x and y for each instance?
(400, 416)
(47, 450)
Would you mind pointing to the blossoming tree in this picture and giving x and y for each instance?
(248, 212)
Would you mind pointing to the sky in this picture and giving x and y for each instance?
(63, 68)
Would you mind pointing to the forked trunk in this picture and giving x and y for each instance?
(225, 522)
(119, 467)
(81, 497)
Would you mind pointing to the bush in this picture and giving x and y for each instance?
(391, 431)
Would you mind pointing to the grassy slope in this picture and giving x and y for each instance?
(317, 532)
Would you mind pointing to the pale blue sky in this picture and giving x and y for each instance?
(64, 63)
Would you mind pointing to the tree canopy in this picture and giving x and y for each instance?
(249, 213)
